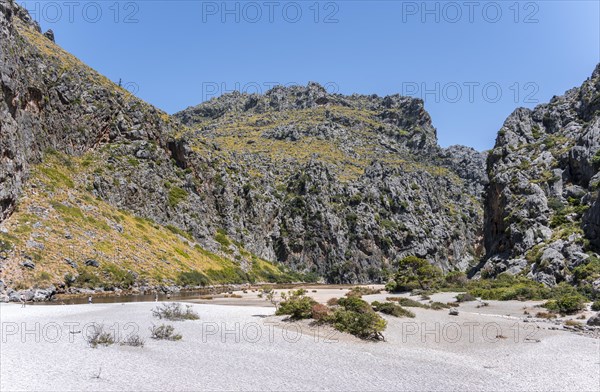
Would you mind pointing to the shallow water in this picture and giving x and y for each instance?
(184, 295)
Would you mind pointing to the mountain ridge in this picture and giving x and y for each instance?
(293, 183)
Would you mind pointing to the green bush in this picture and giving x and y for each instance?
(414, 273)
(297, 305)
(87, 278)
(392, 309)
(507, 287)
(357, 317)
(359, 291)
(176, 196)
(596, 159)
(192, 278)
(567, 304)
(588, 271)
(408, 302)
(596, 306)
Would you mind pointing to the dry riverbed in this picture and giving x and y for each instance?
(243, 346)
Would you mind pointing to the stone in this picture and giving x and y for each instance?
(28, 264)
(71, 262)
(50, 35)
(594, 320)
(92, 263)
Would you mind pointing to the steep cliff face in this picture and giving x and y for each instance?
(347, 184)
(48, 99)
(334, 186)
(541, 206)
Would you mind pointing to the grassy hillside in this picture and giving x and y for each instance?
(58, 224)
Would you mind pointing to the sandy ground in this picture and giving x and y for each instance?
(247, 348)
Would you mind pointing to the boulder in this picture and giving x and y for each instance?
(40, 295)
(594, 320)
(50, 35)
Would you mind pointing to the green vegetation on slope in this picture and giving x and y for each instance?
(59, 223)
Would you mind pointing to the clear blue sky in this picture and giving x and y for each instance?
(176, 54)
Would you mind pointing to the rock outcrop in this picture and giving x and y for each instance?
(541, 206)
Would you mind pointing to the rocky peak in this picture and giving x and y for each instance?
(541, 202)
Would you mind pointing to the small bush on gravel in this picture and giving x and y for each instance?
(360, 291)
(567, 304)
(408, 302)
(332, 301)
(175, 312)
(133, 341)
(357, 317)
(164, 332)
(296, 304)
(98, 337)
(596, 306)
(392, 309)
(545, 315)
(439, 306)
(465, 297)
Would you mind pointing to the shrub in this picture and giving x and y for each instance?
(456, 279)
(507, 287)
(439, 306)
(332, 301)
(414, 272)
(545, 315)
(356, 317)
(175, 312)
(408, 302)
(392, 309)
(320, 312)
(97, 337)
(269, 295)
(176, 196)
(596, 306)
(133, 341)
(573, 323)
(596, 159)
(164, 332)
(193, 278)
(360, 291)
(465, 297)
(296, 304)
(588, 271)
(567, 304)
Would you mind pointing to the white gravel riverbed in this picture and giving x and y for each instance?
(242, 348)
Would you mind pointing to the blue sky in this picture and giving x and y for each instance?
(473, 62)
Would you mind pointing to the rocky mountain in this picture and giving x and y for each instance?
(100, 189)
(347, 184)
(328, 186)
(542, 207)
